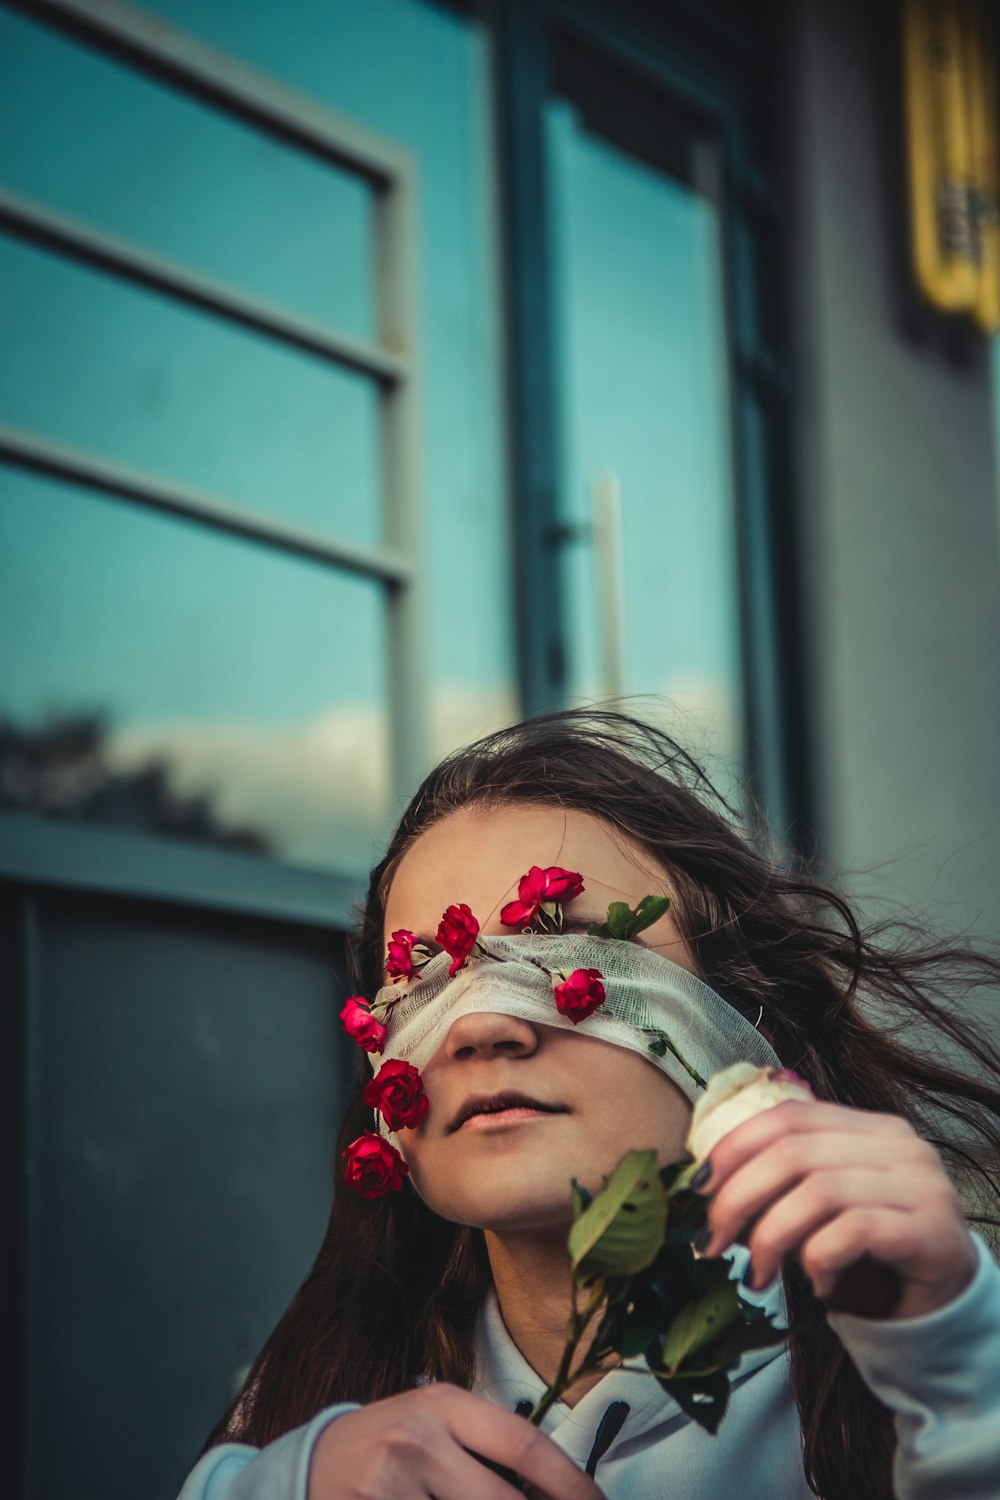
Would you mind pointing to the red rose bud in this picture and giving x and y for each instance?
(580, 994)
(406, 956)
(541, 890)
(397, 1092)
(457, 935)
(373, 1167)
(359, 1023)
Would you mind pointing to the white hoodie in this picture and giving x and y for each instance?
(939, 1374)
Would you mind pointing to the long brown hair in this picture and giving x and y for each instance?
(860, 1012)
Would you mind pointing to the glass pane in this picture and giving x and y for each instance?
(420, 73)
(161, 677)
(94, 139)
(122, 372)
(645, 402)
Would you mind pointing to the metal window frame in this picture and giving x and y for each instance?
(59, 461)
(778, 751)
(55, 854)
(77, 240)
(706, 75)
(163, 51)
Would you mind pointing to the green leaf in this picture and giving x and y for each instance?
(614, 925)
(744, 1338)
(687, 1210)
(708, 1324)
(705, 1320)
(625, 923)
(641, 1322)
(621, 1231)
(549, 917)
(649, 910)
(704, 1398)
(581, 1198)
(676, 1177)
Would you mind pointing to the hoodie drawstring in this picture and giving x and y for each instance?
(608, 1429)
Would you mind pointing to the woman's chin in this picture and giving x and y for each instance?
(507, 1207)
(547, 1221)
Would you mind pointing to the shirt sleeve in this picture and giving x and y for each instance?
(940, 1376)
(235, 1471)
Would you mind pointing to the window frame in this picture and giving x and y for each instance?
(151, 46)
(719, 72)
(702, 63)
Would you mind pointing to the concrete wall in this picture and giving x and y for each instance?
(896, 465)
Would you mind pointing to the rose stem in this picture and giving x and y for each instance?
(578, 1324)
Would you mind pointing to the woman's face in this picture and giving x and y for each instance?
(511, 1171)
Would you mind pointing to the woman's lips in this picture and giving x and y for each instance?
(497, 1119)
(510, 1105)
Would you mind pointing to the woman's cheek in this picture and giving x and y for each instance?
(432, 1178)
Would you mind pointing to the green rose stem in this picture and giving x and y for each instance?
(579, 1322)
(631, 1252)
(661, 1044)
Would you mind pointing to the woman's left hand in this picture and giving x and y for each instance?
(827, 1185)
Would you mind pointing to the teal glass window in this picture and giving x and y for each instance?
(645, 414)
(137, 378)
(163, 678)
(89, 137)
(119, 368)
(420, 73)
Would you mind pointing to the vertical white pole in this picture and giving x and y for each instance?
(609, 566)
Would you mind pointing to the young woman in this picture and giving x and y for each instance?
(436, 1310)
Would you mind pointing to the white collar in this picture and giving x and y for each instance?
(504, 1376)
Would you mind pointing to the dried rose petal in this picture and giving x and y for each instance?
(373, 1167)
(540, 888)
(457, 935)
(735, 1095)
(361, 1026)
(579, 994)
(406, 956)
(397, 1092)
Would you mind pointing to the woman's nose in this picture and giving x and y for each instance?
(490, 1034)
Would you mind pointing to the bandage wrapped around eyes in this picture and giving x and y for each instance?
(646, 995)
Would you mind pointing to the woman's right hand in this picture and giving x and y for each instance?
(422, 1443)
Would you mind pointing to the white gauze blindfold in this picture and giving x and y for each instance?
(645, 994)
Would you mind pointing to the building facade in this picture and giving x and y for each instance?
(373, 372)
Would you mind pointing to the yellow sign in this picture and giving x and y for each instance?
(953, 146)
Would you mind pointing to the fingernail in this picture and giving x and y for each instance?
(703, 1238)
(702, 1175)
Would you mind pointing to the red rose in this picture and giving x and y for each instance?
(373, 1166)
(580, 994)
(359, 1023)
(397, 1092)
(457, 936)
(406, 956)
(541, 890)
